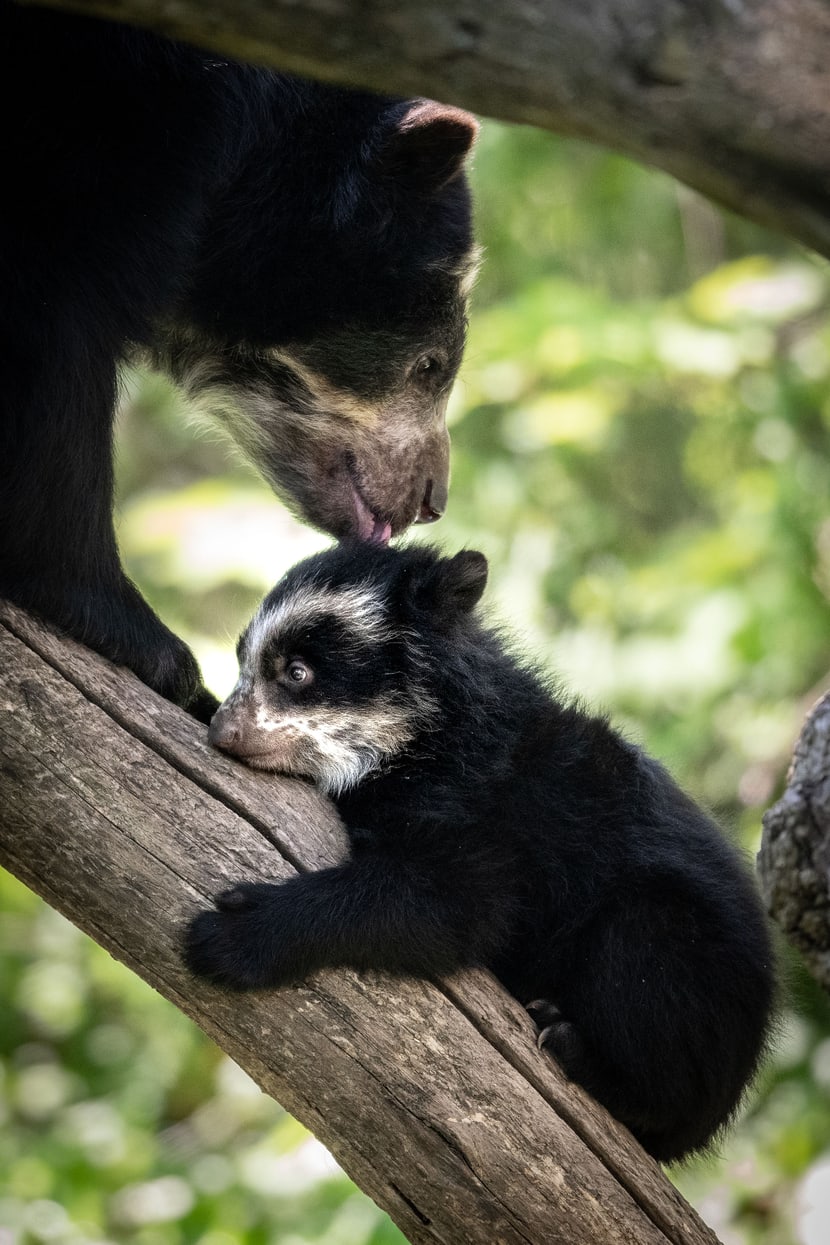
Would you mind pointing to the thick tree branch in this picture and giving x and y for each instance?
(794, 861)
(730, 96)
(432, 1096)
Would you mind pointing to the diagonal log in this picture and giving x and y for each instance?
(432, 1096)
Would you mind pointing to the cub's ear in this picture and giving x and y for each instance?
(451, 587)
(428, 145)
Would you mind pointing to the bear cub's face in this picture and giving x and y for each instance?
(338, 667)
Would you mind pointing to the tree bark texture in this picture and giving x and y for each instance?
(794, 860)
(730, 96)
(431, 1095)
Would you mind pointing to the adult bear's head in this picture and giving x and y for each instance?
(327, 318)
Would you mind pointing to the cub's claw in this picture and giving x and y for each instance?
(558, 1037)
(544, 1015)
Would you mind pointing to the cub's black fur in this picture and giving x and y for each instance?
(492, 823)
(296, 256)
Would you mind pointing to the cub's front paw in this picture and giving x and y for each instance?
(238, 945)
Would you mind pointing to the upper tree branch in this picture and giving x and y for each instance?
(730, 96)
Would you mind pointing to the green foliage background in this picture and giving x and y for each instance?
(641, 448)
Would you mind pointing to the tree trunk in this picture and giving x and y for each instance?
(730, 96)
(432, 1096)
(794, 861)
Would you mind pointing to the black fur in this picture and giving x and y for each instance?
(205, 212)
(514, 830)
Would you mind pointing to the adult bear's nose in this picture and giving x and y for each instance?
(434, 503)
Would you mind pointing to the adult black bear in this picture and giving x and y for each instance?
(492, 823)
(295, 255)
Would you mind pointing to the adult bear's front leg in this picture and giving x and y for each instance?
(58, 554)
(133, 635)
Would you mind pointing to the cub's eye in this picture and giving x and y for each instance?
(298, 672)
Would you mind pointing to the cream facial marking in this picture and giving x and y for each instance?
(469, 270)
(464, 270)
(338, 401)
(361, 609)
(334, 748)
(243, 416)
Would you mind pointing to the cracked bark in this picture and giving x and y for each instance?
(794, 860)
(730, 96)
(432, 1096)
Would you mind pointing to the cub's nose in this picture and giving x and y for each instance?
(224, 731)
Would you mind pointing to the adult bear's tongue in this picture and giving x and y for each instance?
(369, 527)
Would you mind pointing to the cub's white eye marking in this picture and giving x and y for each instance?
(359, 607)
(298, 672)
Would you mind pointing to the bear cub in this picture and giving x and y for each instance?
(493, 823)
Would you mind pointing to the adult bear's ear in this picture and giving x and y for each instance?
(449, 588)
(428, 144)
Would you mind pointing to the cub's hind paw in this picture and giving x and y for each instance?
(557, 1036)
(544, 1014)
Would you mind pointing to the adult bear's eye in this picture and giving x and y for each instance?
(427, 368)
